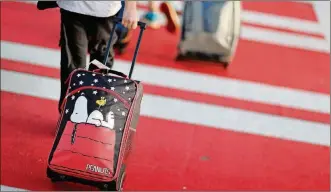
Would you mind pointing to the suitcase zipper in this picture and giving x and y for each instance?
(126, 104)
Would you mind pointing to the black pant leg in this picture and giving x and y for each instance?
(73, 44)
(99, 30)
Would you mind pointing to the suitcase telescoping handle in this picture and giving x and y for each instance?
(142, 27)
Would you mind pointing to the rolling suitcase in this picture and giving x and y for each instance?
(97, 125)
(210, 30)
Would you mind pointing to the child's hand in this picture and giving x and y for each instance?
(130, 15)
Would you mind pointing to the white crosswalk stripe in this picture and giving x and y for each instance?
(272, 36)
(183, 80)
(236, 119)
(188, 111)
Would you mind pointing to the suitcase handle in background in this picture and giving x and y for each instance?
(142, 26)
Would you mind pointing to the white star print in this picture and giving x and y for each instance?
(123, 113)
(127, 88)
(67, 111)
(83, 74)
(125, 81)
(93, 74)
(114, 79)
(83, 93)
(104, 87)
(118, 109)
(123, 92)
(115, 100)
(95, 92)
(81, 82)
(95, 80)
(74, 84)
(73, 97)
(92, 84)
(109, 80)
(112, 88)
(78, 75)
(129, 99)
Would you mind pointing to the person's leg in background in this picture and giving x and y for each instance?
(170, 12)
(153, 15)
(74, 45)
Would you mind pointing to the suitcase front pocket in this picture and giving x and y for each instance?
(92, 151)
(116, 95)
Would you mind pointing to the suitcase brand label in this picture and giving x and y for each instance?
(97, 169)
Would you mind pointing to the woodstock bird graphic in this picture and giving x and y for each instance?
(80, 114)
(101, 102)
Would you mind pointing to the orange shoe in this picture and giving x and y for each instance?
(172, 17)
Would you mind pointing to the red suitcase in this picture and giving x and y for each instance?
(97, 126)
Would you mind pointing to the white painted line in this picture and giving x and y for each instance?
(189, 81)
(322, 10)
(29, 2)
(304, 1)
(271, 36)
(7, 188)
(188, 112)
(285, 39)
(272, 20)
(281, 22)
(179, 4)
(276, 37)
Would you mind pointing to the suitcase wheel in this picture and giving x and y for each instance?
(203, 57)
(108, 187)
(54, 177)
(180, 57)
(112, 185)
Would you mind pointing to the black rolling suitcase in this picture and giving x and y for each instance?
(97, 125)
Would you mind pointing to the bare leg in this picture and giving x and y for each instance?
(173, 25)
(153, 6)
